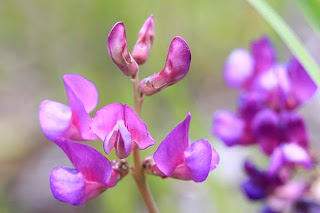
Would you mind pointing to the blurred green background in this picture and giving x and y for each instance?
(42, 40)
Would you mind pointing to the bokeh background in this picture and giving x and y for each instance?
(42, 40)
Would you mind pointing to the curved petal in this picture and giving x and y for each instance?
(198, 157)
(54, 118)
(68, 185)
(170, 153)
(84, 89)
(303, 86)
(118, 50)
(228, 127)
(254, 191)
(238, 68)
(142, 48)
(215, 160)
(176, 67)
(263, 53)
(92, 164)
(105, 119)
(137, 128)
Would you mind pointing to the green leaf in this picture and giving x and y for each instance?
(288, 37)
(311, 10)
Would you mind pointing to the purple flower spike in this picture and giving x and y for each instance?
(263, 53)
(302, 85)
(90, 177)
(59, 120)
(176, 67)
(179, 159)
(238, 68)
(289, 154)
(120, 128)
(228, 127)
(118, 50)
(143, 46)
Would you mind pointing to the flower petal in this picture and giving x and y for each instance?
(143, 46)
(68, 185)
(137, 128)
(176, 67)
(105, 119)
(54, 118)
(254, 191)
(84, 89)
(263, 53)
(198, 157)
(92, 164)
(303, 86)
(228, 127)
(170, 153)
(118, 50)
(238, 68)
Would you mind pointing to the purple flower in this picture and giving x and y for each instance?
(119, 127)
(118, 50)
(59, 120)
(176, 157)
(143, 46)
(176, 67)
(92, 175)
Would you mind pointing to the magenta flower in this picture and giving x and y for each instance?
(118, 50)
(92, 175)
(141, 49)
(59, 120)
(176, 157)
(176, 67)
(119, 127)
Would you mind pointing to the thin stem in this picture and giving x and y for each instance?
(138, 171)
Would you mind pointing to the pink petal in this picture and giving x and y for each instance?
(84, 89)
(238, 68)
(176, 67)
(170, 153)
(138, 129)
(143, 46)
(54, 118)
(92, 164)
(198, 157)
(118, 50)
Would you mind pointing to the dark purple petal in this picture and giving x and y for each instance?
(118, 50)
(176, 67)
(55, 119)
(68, 185)
(170, 153)
(266, 129)
(92, 164)
(142, 48)
(198, 157)
(254, 191)
(238, 68)
(250, 103)
(303, 86)
(137, 128)
(263, 54)
(84, 89)
(228, 127)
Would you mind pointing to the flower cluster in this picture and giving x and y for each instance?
(119, 127)
(270, 94)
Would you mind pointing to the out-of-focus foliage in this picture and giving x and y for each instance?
(42, 40)
(311, 10)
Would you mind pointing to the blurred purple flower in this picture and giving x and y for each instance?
(176, 67)
(119, 127)
(141, 49)
(176, 157)
(92, 175)
(59, 120)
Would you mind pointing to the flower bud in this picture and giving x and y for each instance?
(176, 67)
(143, 46)
(118, 50)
